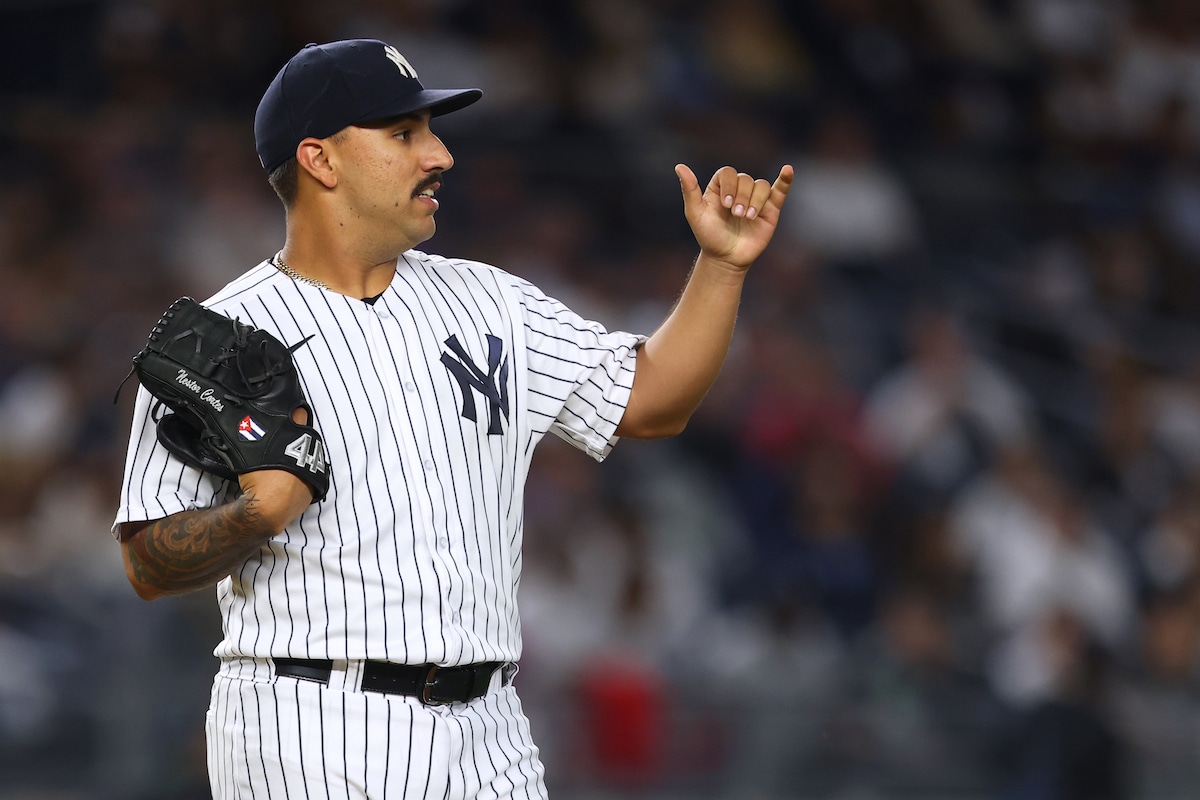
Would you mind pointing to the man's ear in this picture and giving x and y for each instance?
(313, 157)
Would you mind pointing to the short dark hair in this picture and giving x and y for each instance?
(285, 180)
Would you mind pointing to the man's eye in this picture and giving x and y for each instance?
(403, 134)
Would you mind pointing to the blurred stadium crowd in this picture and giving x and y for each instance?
(936, 531)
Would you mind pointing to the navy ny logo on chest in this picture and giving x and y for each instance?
(491, 385)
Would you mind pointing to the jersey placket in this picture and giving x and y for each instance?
(404, 398)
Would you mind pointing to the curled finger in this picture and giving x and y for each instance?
(742, 198)
(759, 195)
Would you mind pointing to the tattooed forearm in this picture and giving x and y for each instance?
(195, 549)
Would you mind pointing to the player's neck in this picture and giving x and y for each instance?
(327, 257)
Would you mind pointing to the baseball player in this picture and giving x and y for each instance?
(370, 639)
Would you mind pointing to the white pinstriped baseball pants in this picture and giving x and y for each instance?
(285, 737)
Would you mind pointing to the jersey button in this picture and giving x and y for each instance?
(427, 463)
(443, 542)
(409, 386)
(384, 314)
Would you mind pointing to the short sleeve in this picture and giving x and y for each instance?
(156, 484)
(580, 374)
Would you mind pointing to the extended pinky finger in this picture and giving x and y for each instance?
(784, 182)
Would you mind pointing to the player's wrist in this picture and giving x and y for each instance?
(274, 498)
(720, 269)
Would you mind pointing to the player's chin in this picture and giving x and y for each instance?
(424, 231)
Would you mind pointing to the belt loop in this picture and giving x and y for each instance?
(353, 674)
(496, 681)
(339, 677)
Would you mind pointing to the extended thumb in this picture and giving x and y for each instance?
(688, 184)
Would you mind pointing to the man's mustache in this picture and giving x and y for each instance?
(431, 181)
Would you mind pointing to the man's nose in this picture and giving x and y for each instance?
(439, 156)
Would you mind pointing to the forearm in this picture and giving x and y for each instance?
(194, 549)
(678, 364)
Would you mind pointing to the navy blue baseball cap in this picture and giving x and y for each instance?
(326, 87)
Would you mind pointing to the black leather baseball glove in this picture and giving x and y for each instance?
(233, 389)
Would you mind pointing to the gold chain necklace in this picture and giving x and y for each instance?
(279, 264)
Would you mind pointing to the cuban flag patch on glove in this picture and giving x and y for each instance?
(250, 430)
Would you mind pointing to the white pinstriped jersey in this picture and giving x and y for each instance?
(430, 401)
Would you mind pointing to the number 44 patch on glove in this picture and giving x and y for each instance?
(309, 452)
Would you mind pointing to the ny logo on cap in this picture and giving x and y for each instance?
(400, 61)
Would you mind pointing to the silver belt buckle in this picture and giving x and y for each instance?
(427, 688)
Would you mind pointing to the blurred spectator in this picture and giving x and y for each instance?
(846, 204)
(974, 31)
(608, 605)
(940, 415)
(1130, 473)
(1157, 66)
(755, 56)
(798, 401)
(1072, 28)
(1036, 552)
(917, 708)
(225, 216)
(1172, 411)
(1066, 745)
(1168, 551)
(805, 483)
(1156, 694)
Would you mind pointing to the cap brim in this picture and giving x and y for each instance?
(435, 101)
(451, 99)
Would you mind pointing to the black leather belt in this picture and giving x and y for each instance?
(432, 684)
